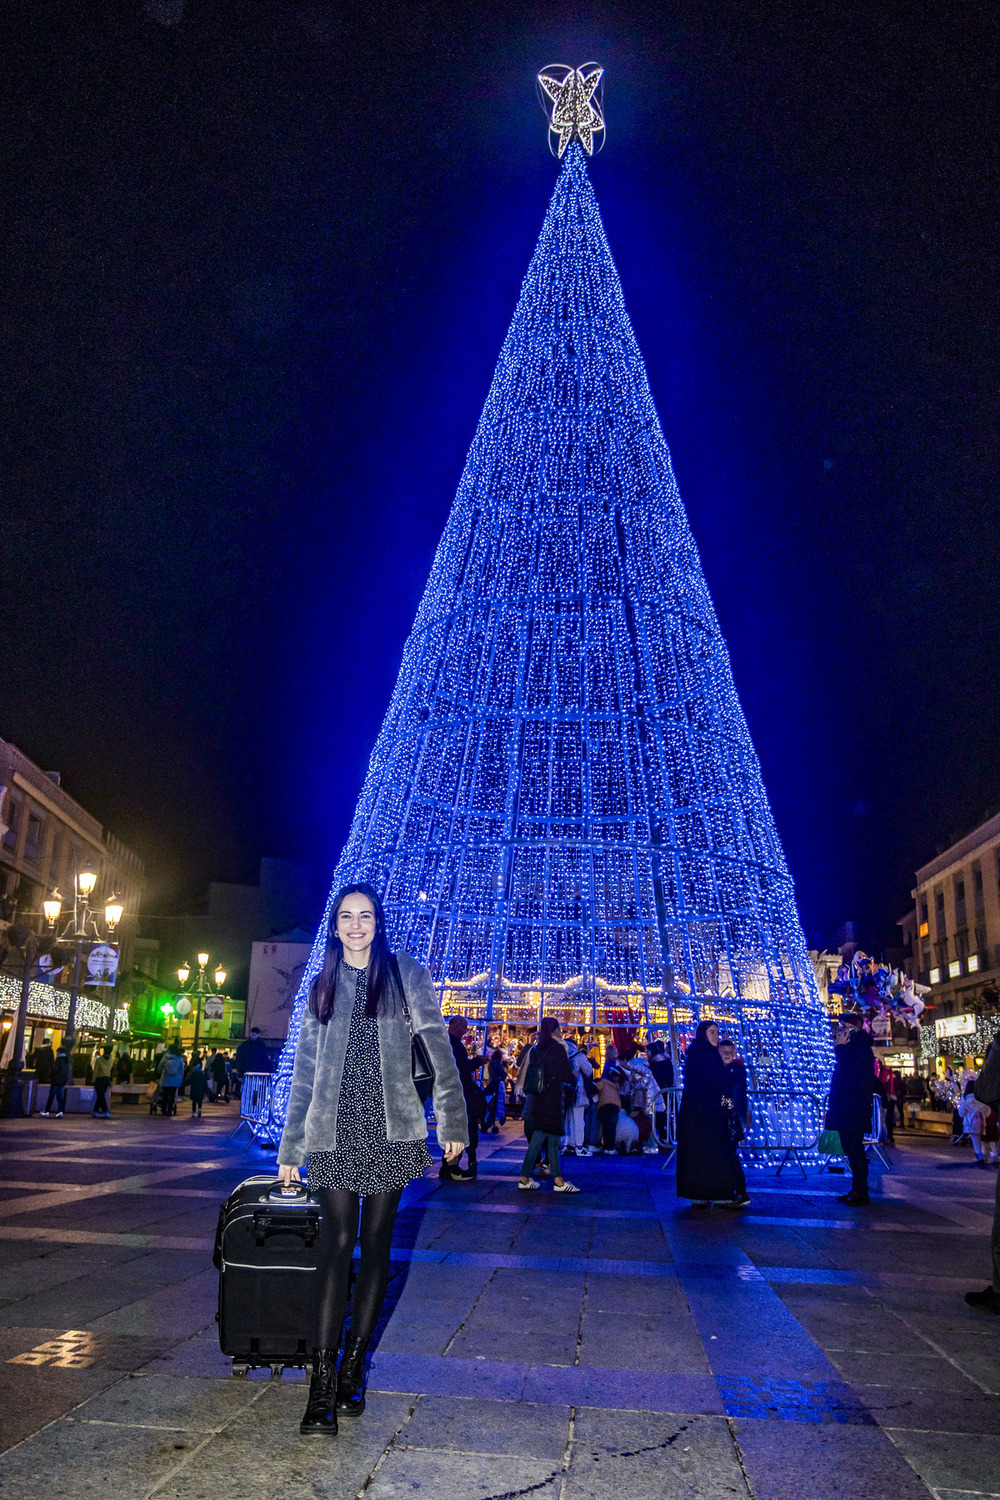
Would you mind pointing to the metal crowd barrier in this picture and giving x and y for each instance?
(786, 1123)
(872, 1140)
(255, 1109)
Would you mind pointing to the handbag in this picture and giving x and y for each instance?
(830, 1144)
(421, 1068)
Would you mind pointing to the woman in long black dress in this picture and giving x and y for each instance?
(355, 1112)
(708, 1164)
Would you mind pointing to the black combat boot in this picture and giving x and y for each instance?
(351, 1380)
(321, 1416)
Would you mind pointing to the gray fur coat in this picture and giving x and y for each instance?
(311, 1122)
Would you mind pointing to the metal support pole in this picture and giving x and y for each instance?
(30, 950)
(74, 994)
(109, 1035)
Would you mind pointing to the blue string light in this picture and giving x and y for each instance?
(564, 810)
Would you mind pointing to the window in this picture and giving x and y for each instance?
(926, 959)
(924, 911)
(959, 889)
(961, 944)
(941, 954)
(34, 836)
(939, 920)
(15, 806)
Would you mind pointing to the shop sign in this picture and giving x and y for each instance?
(213, 1007)
(955, 1026)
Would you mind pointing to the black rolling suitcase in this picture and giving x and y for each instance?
(266, 1252)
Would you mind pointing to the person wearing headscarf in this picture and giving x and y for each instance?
(708, 1164)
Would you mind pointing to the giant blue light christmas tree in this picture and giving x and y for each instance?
(564, 812)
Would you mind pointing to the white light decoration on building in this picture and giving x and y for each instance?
(575, 112)
(564, 811)
(48, 1004)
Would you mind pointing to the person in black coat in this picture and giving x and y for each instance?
(708, 1164)
(56, 1102)
(548, 1108)
(468, 1067)
(662, 1069)
(45, 1060)
(252, 1055)
(849, 1111)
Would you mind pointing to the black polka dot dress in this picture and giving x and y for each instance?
(365, 1160)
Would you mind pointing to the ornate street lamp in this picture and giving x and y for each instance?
(199, 990)
(81, 926)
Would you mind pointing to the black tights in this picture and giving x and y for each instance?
(338, 1237)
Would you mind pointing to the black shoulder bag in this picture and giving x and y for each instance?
(420, 1063)
(534, 1076)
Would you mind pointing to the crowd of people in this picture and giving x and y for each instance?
(577, 1098)
(214, 1074)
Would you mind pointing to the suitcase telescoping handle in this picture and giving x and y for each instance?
(306, 1228)
(296, 1192)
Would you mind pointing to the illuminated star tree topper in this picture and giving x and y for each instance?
(572, 105)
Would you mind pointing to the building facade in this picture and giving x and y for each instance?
(954, 933)
(46, 837)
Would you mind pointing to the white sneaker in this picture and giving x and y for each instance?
(59, 1115)
(585, 1151)
(44, 1115)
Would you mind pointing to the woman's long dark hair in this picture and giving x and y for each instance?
(384, 982)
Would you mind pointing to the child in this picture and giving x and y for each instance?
(197, 1083)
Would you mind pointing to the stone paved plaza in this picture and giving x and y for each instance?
(611, 1346)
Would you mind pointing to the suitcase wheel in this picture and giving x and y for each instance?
(240, 1369)
(277, 1371)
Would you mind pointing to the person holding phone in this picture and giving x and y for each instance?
(355, 1113)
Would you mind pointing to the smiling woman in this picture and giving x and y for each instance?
(354, 1110)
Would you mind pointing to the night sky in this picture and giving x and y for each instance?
(257, 269)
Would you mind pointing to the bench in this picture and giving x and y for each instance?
(129, 1093)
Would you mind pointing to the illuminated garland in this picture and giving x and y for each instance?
(564, 810)
(974, 1044)
(48, 1004)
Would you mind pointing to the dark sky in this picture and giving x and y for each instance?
(257, 271)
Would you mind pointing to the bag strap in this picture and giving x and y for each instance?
(406, 1012)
